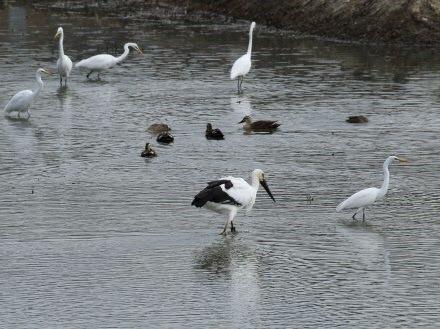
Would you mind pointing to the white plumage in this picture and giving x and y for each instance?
(242, 66)
(230, 194)
(22, 100)
(364, 198)
(102, 62)
(64, 64)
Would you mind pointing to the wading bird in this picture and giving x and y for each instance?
(259, 126)
(242, 65)
(368, 196)
(229, 194)
(64, 64)
(22, 100)
(102, 62)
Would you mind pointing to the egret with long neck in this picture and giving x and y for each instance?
(102, 62)
(360, 200)
(64, 64)
(242, 66)
(22, 100)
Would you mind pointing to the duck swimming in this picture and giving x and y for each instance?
(165, 138)
(357, 119)
(259, 126)
(148, 152)
(213, 133)
(157, 128)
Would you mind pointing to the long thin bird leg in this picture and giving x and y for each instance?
(61, 80)
(232, 226)
(225, 228)
(88, 75)
(241, 82)
(354, 215)
(238, 85)
(363, 214)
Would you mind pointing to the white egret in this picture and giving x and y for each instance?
(229, 194)
(22, 100)
(99, 63)
(368, 196)
(242, 65)
(64, 64)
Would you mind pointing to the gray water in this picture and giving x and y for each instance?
(94, 236)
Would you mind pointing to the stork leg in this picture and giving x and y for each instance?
(238, 84)
(231, 216)
(232, 226)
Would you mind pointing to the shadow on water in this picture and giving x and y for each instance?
(19, 121)
(219, 256)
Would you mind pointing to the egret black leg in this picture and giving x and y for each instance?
(88, 75)
(61, 80)
(363, 214)
(354, 216)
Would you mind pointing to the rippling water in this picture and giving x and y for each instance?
(92, 235)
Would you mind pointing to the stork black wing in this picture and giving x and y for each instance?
(214, 193)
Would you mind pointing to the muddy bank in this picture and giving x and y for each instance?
(397, 21)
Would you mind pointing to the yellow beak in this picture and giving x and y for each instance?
(56, 35)
(402, 160)
(139, 51)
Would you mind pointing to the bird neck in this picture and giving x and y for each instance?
(386, 180)
(124, 54)
(60, 47)
(249, 51)
(39, 84)
(255, 182)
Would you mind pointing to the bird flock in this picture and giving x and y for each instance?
(226, 195)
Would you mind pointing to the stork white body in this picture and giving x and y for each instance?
(364, 198)
(102, 62)
(22, 100)
(242, 66)
(64, 64)
(230, 194)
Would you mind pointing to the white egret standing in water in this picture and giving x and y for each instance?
(22, 100)
(242, 65)
(99, 63)
(368, 196)
(64, 64)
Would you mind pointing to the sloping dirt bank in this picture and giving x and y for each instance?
(397, 21)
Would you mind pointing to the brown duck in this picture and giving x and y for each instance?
(357, 119)
(213, 133)
(259, 126)
(157, 128)
(148, 152)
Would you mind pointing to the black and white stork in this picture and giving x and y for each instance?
(229, 194)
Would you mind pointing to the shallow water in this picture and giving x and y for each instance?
(93, 235)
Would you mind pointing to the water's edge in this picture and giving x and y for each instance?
(407, 22)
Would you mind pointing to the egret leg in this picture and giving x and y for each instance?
(354, 215)
(88, 75)
(238, 84)
(18, 113)
(363, 214)
(61, 80)
(241, 82)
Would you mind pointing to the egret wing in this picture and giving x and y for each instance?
(241, 66)
(19, 101)
(360, 199)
